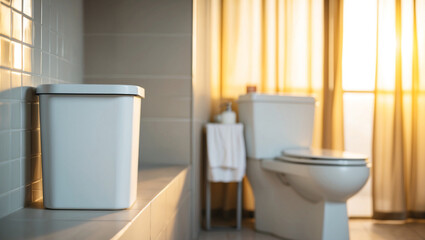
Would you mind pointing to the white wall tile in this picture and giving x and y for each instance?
(45, 37)
(45, 64)
(166, 107)
(165, 142)
(5, 183)
(5, 147)
(17, 199)
(4, 204)
(37, 10)
(17, 4)
(27, 90)
(5, 20)
(16, 25)
(169, 86)
(53, 42)
(26, 144)
(26, 115)
(16, 84)
(26, 50)
(53, 20)
(35, 115)
(6, 52)
(27, 7)
(16, 115)
(45, 11)
(154, 52)
(27, 31)
(127, 16)
(37, 35)
(16, 144)
(36, 61)
(5, 84)
(60, 46)
(139, 54)
(16, 51)
(27, 58)
(53, 66)
(15, 180)
(5, 115)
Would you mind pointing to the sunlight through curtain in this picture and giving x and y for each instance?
(280, 46)
(399, 132)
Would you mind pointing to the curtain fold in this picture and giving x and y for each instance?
(280, 46)
(333, 128)
(398, 136)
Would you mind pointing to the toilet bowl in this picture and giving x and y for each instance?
(300, 193)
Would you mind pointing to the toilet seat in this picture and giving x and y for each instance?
(312, 156)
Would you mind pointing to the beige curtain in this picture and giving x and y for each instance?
(280, 46)
(399, 132)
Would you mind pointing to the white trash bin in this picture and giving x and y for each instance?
(89, 145)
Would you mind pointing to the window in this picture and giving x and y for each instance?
(358, 80)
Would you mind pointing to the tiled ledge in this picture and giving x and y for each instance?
(162, 195)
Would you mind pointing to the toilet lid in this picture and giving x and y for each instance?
(323, 157)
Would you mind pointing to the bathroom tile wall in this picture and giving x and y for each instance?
(41, 41)
(146, 43)
(149, 43)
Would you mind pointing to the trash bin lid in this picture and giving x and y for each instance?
(91, 89)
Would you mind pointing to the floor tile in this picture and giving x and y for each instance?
(390, 231)
(212, 235)
(418, 227)
(360, 229)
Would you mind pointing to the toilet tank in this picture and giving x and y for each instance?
(276, 122)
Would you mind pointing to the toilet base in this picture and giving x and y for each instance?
(335, 221)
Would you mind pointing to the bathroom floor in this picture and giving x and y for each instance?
(360, 229)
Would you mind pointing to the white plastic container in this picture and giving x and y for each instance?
(89, 145)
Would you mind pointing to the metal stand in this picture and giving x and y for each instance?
(238, 206)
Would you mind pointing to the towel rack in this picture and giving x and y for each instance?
(238, 205)
(230, 141)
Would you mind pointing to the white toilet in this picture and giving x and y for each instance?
(300, 193)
